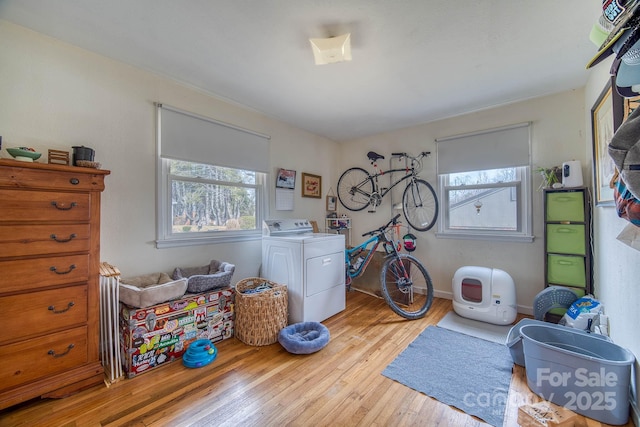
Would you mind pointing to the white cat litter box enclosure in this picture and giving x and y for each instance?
(484, 294)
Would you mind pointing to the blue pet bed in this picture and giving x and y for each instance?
(304, 337)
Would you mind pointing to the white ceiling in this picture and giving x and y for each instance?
(414, 61)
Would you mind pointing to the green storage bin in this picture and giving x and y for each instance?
(566, 239)
(566, 270)
(565, 206)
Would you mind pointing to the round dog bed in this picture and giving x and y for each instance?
(304, 337)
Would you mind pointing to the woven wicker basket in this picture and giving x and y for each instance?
(260, 316)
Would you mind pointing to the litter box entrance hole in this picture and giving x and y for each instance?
(471, 290)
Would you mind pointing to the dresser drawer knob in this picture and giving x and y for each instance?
(55, 270)
(62, 207)
(53, 308)
(74, 181)
(53, 352)
(71, 237)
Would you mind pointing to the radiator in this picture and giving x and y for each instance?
(109, 336)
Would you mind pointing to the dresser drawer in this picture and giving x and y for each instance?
(566, 239)
(27, 274)
(565, 206)
(44, 206)
(36, 176)
(25, 240)
(36, 313)
(39, 357)
(566, 270)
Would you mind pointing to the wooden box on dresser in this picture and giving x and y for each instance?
(49, 295)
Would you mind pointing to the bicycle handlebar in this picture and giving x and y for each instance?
(393, 220)
(422, 154)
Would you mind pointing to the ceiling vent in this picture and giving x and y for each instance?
(332, 50)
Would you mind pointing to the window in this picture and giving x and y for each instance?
(484, 185)
(211, 184)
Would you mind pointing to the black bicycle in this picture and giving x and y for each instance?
(358, 189)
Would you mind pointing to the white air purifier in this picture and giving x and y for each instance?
(484, 294)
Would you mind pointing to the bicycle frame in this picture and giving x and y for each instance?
(384, 192)
(371, 245)
(375, 242)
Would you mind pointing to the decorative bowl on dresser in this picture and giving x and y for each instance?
(49, 295)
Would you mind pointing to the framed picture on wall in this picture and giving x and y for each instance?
(606, 116)
(630, 104)
(311, 185)
(332, 203)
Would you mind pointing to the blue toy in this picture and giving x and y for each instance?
(200, 353)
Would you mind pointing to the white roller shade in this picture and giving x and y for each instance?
(491, 149)
(187, 136)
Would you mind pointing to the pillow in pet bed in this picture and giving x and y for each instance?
(201, 279)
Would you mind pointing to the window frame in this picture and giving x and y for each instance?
(166, 238)
(524, 233)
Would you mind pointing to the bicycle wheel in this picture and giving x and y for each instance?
(406, 286)
(354, 189)
(420, 205)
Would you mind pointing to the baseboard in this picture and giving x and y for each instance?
(449, 295)
(635, 413)
(442, 294)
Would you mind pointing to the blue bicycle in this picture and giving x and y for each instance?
(406, 284)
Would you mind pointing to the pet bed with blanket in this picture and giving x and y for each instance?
(150, 289)
(216, 274)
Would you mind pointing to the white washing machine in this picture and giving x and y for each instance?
(310, 264)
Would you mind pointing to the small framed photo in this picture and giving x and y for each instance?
(311, 185)
(286, 179)
(332, 203)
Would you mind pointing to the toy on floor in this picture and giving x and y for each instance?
(485, 294)
(200, 353)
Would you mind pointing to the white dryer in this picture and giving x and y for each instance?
(310, 264)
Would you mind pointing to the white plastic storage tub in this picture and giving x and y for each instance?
(584, 374)
(514, 339)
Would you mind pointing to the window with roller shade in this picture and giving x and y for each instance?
(211, 180)
(484, 184)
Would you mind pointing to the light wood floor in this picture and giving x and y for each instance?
(341, 385)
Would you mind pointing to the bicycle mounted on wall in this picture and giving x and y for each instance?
(358, 189)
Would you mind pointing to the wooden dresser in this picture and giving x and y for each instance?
(49, 290)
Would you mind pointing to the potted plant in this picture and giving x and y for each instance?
(550, 176)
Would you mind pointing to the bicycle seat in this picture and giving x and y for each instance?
(373, 156)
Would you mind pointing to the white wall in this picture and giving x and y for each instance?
(558, 133)
(54, 95)
(617, 266)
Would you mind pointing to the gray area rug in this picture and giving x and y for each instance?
(459, 370)
(475, 328)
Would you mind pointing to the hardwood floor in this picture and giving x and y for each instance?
(341, 385)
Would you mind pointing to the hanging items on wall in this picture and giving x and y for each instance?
(285, 185)
(332, 201)
(478, 206)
